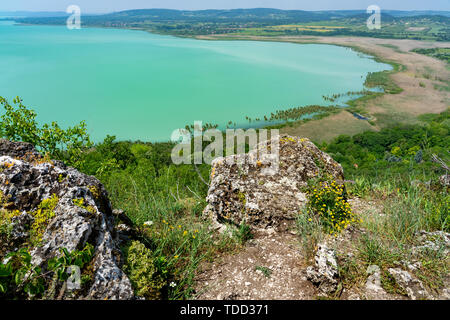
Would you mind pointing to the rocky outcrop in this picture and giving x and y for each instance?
(437, 241)
(324, 274)
(373, 288)
(81, 215)
(248, 188)
(410, 284)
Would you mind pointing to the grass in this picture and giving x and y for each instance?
(340, 123)
(311, 232)
(391, 225)
(391, 46)
(265, 271)
(382, 79)
(391, 236)
(438, 53)
(166, 207)
(169, 200)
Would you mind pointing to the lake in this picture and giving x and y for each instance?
(138, 85)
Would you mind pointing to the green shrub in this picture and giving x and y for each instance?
(243, 233)
(18, 276)
(18, 123)
(327, 201)
(75, 258)
(142, 271)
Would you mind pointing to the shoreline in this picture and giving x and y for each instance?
(410, 95)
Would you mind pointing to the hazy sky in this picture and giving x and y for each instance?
(117, 5)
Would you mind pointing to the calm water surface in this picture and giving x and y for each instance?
(137, 85)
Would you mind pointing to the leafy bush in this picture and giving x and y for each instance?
(19, 275)
(67, 259)
(141, 269)
(398, 148)
(327, 200)
(18, 123)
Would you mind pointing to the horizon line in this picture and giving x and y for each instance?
(218, 9)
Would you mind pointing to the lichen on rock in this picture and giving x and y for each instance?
(247, 188)
(62, 208)
(324, 274)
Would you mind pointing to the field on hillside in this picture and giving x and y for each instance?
(271, 22)
(418, 28)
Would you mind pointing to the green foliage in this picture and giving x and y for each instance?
(67, 259)
(310, 231)
(42, 217)
(18, 275)
(81, 203)
(265, 271)
(6, 219)
(328, 201)
(397, 148)
(439, 53)
(416, 209)
(18, 123)
(371, 250)
(383, 80)
(142, 271)
(243, 233)
(145, 183)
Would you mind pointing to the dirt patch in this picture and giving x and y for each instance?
(269, 267)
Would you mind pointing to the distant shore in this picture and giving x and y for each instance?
(422, 79)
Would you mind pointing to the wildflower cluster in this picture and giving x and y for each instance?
(178, 229)
(42, 217)
(80, 202)
(328, 202)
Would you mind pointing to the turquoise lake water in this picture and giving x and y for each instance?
(137, 85)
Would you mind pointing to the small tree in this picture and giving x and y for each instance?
(18, 123)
